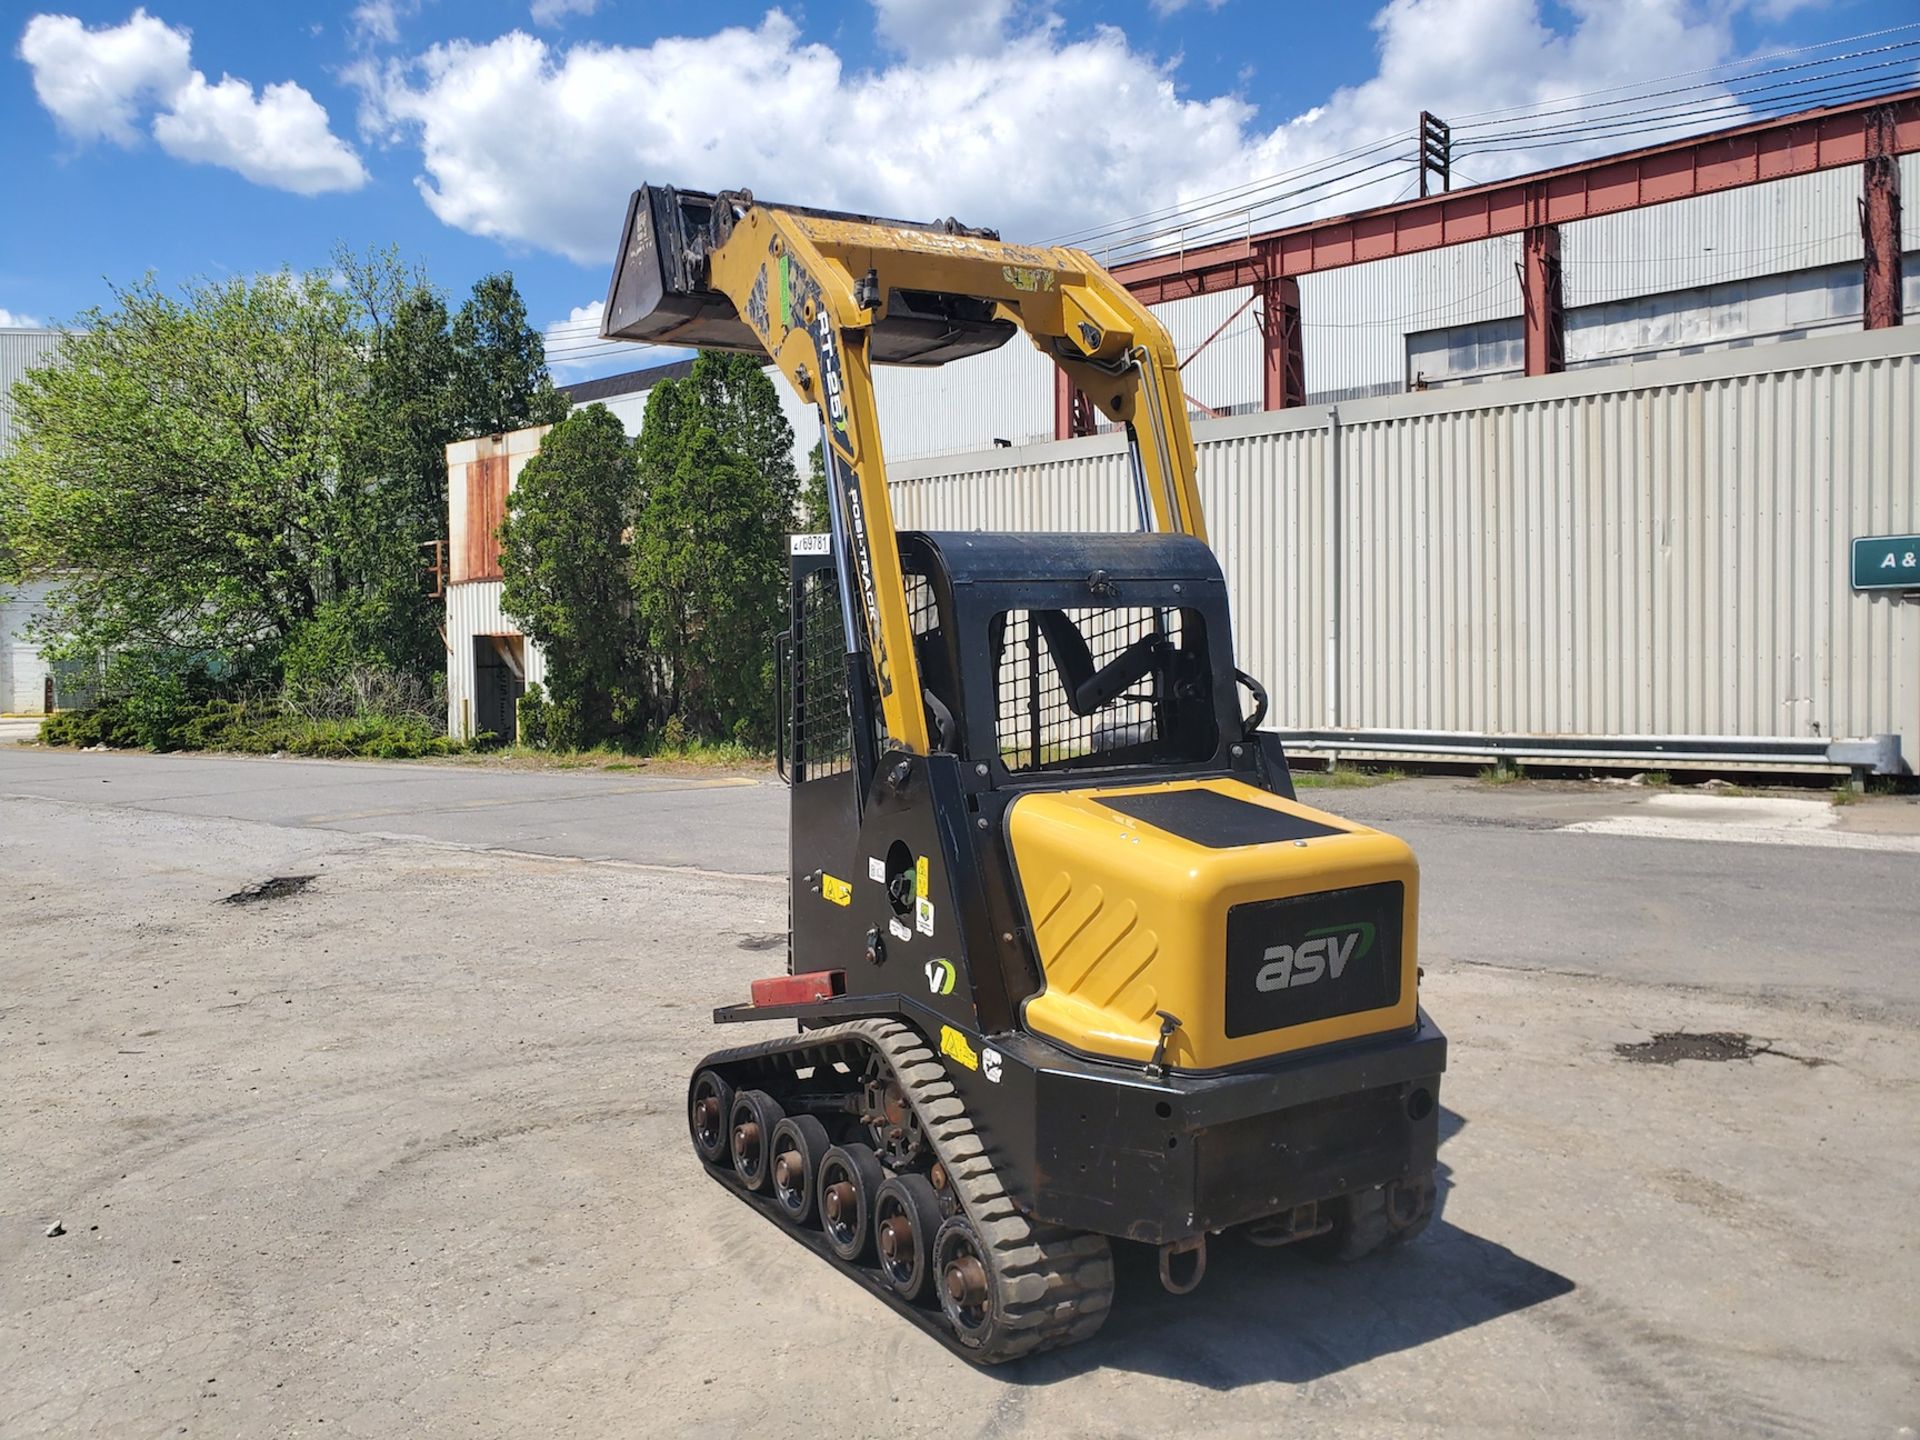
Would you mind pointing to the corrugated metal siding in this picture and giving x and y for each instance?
(480, 474)
(20, 351)
(1226, 376)
(474, 609)
(1794, 224)
(476, 548)
(23, 672)
(1356, 319)
(1650, 549)
(1268, 504)
(1005, 394)
(1069, 485)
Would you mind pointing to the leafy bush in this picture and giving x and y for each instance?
(102, 725)
(254, 727)
(536, 719)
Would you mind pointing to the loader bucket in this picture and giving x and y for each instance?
(660, 294)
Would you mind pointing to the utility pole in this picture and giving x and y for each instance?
(1436, 152)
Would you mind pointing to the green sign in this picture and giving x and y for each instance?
(1886, 562)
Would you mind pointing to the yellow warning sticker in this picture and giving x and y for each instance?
(836, 889)
(920, 877)
(954, 1045)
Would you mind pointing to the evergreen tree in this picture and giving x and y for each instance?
(814, 515)
(564, 559)
(716, 498)
(501, 381)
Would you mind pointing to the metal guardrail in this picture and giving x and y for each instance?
(1870, 755)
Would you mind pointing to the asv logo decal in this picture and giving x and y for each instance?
(940, 977)
(1324, 953)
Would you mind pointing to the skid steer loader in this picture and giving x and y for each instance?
(1069, 961)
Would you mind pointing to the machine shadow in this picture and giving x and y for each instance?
(1281, 1315)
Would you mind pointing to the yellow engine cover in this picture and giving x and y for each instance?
(1265, 926)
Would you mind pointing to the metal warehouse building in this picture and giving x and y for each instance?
(1648, 562)
(1565, 465)
(489, 662)
(28, 685)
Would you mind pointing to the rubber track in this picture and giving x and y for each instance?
(1055, 1285)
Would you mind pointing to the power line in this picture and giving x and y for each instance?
(1706, 70)
(1840, 86)
(1685, 121)
(1209, 214)
(1552, 110)
(1209, 228)
(1080, 237)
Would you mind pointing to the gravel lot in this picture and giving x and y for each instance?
(402, 1154)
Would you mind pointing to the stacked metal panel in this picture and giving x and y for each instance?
(1648, 549)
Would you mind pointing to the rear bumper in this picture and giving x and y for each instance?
(1102, 1146)
(1158, 1160)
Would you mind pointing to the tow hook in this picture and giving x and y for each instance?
(1303, 1222)
(1169, 1023)
(1196, 1269)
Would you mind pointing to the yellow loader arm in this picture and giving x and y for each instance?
(829, 295)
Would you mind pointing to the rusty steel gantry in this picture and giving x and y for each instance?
(1870, 133)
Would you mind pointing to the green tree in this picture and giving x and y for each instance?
(183, 469)
(814, 515)
(238, 480)
(502, 381)
(433, 379)
(564, 558)
(408, 421)
(717, 493)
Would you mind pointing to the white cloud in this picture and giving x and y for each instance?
(1044, 133)
(539, 145)
(933, 30)
(553, 12)
(97, 83)
(15, 320)
(377, 22)
(1164, 8)
(280, 139)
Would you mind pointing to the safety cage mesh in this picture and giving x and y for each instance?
(1043, 724)
(823, 720)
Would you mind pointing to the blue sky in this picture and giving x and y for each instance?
(204, 139)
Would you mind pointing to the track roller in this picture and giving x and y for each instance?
(800, 1143)
(850, 1178)
(966, 1285)
(906, 1215)
(755, 1114)
(709, 1115)
(930, 1228)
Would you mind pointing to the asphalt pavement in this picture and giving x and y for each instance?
(1748, 894)
(402, 1152)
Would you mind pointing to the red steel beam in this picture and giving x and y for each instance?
(1542, 301)
(1072, 411)
(1799, 144)
(1880, 229)
(1284, 369)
